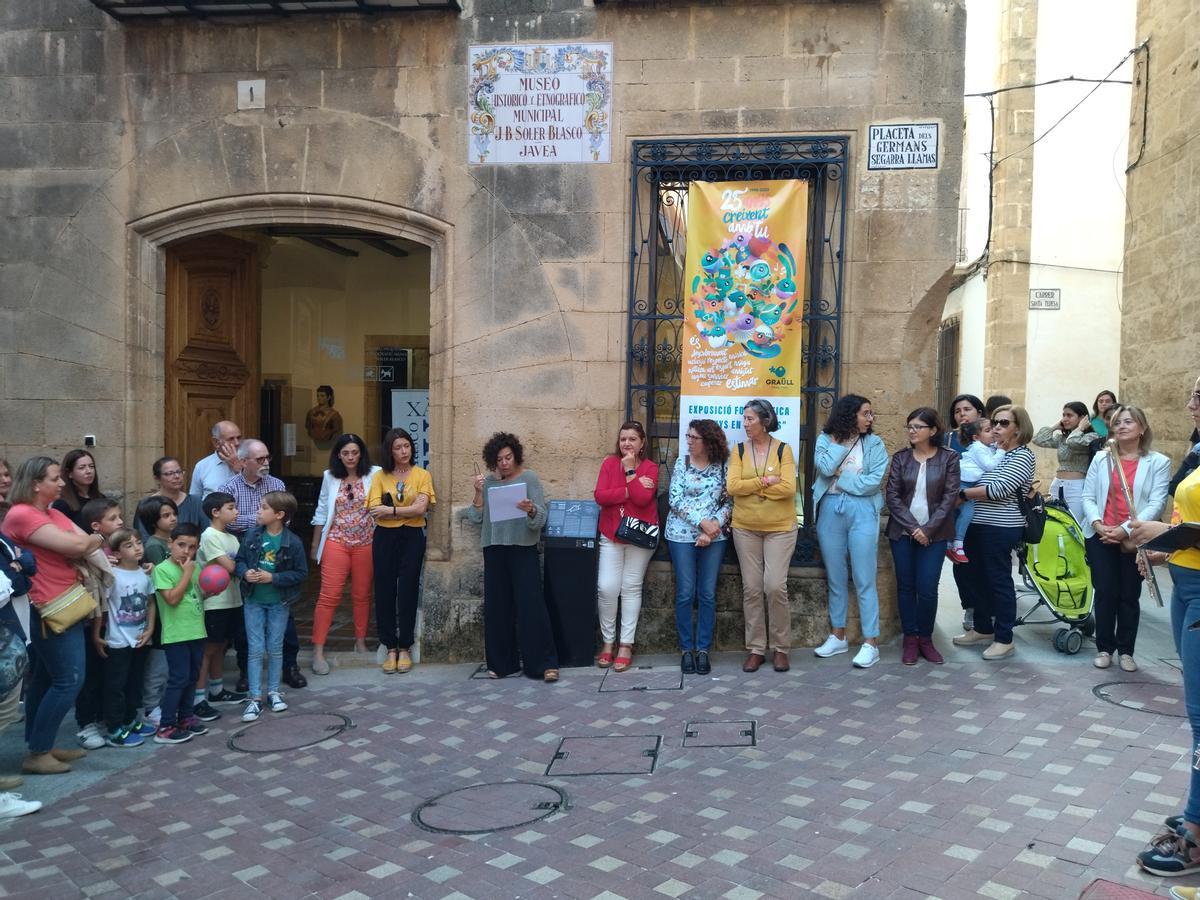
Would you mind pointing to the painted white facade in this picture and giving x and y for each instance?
(1078, 200)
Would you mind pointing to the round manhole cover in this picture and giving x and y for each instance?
(482, 808)
(279, 734)
(1153, 697)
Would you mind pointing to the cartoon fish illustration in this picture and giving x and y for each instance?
(777, 371)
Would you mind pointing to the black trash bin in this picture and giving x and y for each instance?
(571, 548)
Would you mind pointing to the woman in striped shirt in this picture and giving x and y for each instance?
(995, 532)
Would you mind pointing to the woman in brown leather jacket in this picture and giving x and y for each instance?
(921, 493)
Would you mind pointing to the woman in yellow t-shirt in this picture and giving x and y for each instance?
(1179, 852)
(399, 498)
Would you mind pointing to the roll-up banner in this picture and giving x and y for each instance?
(744, 325)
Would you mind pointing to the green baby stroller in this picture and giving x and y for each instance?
(1056, 570)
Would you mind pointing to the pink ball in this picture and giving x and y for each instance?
(213, 579)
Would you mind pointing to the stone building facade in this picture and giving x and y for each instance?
(1159, 362)
(118, 139)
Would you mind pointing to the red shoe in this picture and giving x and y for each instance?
(955, 555)
(909, 654)
(604, 660)
(624, 659)
(930, 652)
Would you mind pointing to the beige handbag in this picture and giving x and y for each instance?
(71, 606)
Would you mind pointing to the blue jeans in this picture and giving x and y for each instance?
(848, 526)
(917, 572)
(988, 580)
(1185, 610)
(264, 634)
(183, 669)
(696, 570)
(57, 678)
(966, 512)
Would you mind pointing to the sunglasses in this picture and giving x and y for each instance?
(1001, 423)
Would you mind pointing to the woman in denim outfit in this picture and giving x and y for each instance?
(699, 511)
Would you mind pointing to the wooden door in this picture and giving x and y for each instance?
(211, 343)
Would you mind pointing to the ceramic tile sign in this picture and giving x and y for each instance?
(902, 145)
(539, 103)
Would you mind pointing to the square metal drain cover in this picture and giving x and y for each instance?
(617, 755)
(721, 734)
(643, 678)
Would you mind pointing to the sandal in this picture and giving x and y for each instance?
(624, 658)
(389, 664)
(605, 659)
(550, 676)
(404, 662)
(492, 675)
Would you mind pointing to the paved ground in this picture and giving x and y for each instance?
(973, 779)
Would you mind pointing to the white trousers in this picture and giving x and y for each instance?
(622, 571)
(1072, 495)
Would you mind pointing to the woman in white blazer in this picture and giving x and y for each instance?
(1115, 578)
(342, 533)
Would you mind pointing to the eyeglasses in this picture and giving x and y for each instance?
(1196, 396)
(261, 459)
(916, 427)
(692, 437)
(1001, 423)
(171, 473)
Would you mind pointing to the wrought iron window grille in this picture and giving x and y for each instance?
(661, 173)
(140, 10)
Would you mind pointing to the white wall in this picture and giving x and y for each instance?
(1078, 211)
(969, 303)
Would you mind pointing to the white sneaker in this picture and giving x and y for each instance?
(867, 656)
(11, 806)
(154, 717)
(252, 711)
(832, 647)
(277, 702)
(90, 737)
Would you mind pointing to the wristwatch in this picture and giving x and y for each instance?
(962, 494)
(630, 472)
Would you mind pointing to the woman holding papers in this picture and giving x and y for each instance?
(1176, 851)
(1106, 525)
(510, 507)
(627, 486)
(398, 499)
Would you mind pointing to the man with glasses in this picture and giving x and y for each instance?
(211, 473)
(248, 487)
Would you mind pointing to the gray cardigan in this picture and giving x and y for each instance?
(522, 532)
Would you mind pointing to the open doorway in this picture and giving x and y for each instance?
(299, 334)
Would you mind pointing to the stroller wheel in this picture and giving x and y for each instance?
(1073, 641)
(1088, 625)
(1060, 640)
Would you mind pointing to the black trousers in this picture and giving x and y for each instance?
(516, 623)
(1118, 590)
(123, 685)
(397, 555)
(89, 703)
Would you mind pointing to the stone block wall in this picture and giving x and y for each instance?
(1161, 306)
(115, 139)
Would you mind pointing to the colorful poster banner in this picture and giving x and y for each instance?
(743, 323)
(540, 103)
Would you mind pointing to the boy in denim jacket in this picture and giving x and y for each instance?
(272, 566)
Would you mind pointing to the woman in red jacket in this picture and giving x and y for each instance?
(627, 486)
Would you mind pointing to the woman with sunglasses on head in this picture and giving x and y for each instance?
(762, 482)
(922, 489)
(627, 486)
(398, 499)
(343, 530)
(851, 462)
(1106, 521)
(995, 532)
(700, 509)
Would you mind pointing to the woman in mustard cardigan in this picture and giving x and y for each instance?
(762, 483)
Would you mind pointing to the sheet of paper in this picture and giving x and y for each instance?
(503, 499)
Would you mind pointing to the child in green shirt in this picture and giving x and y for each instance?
(181, 610)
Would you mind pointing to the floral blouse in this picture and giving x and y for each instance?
(695, 495)
(352, 524)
